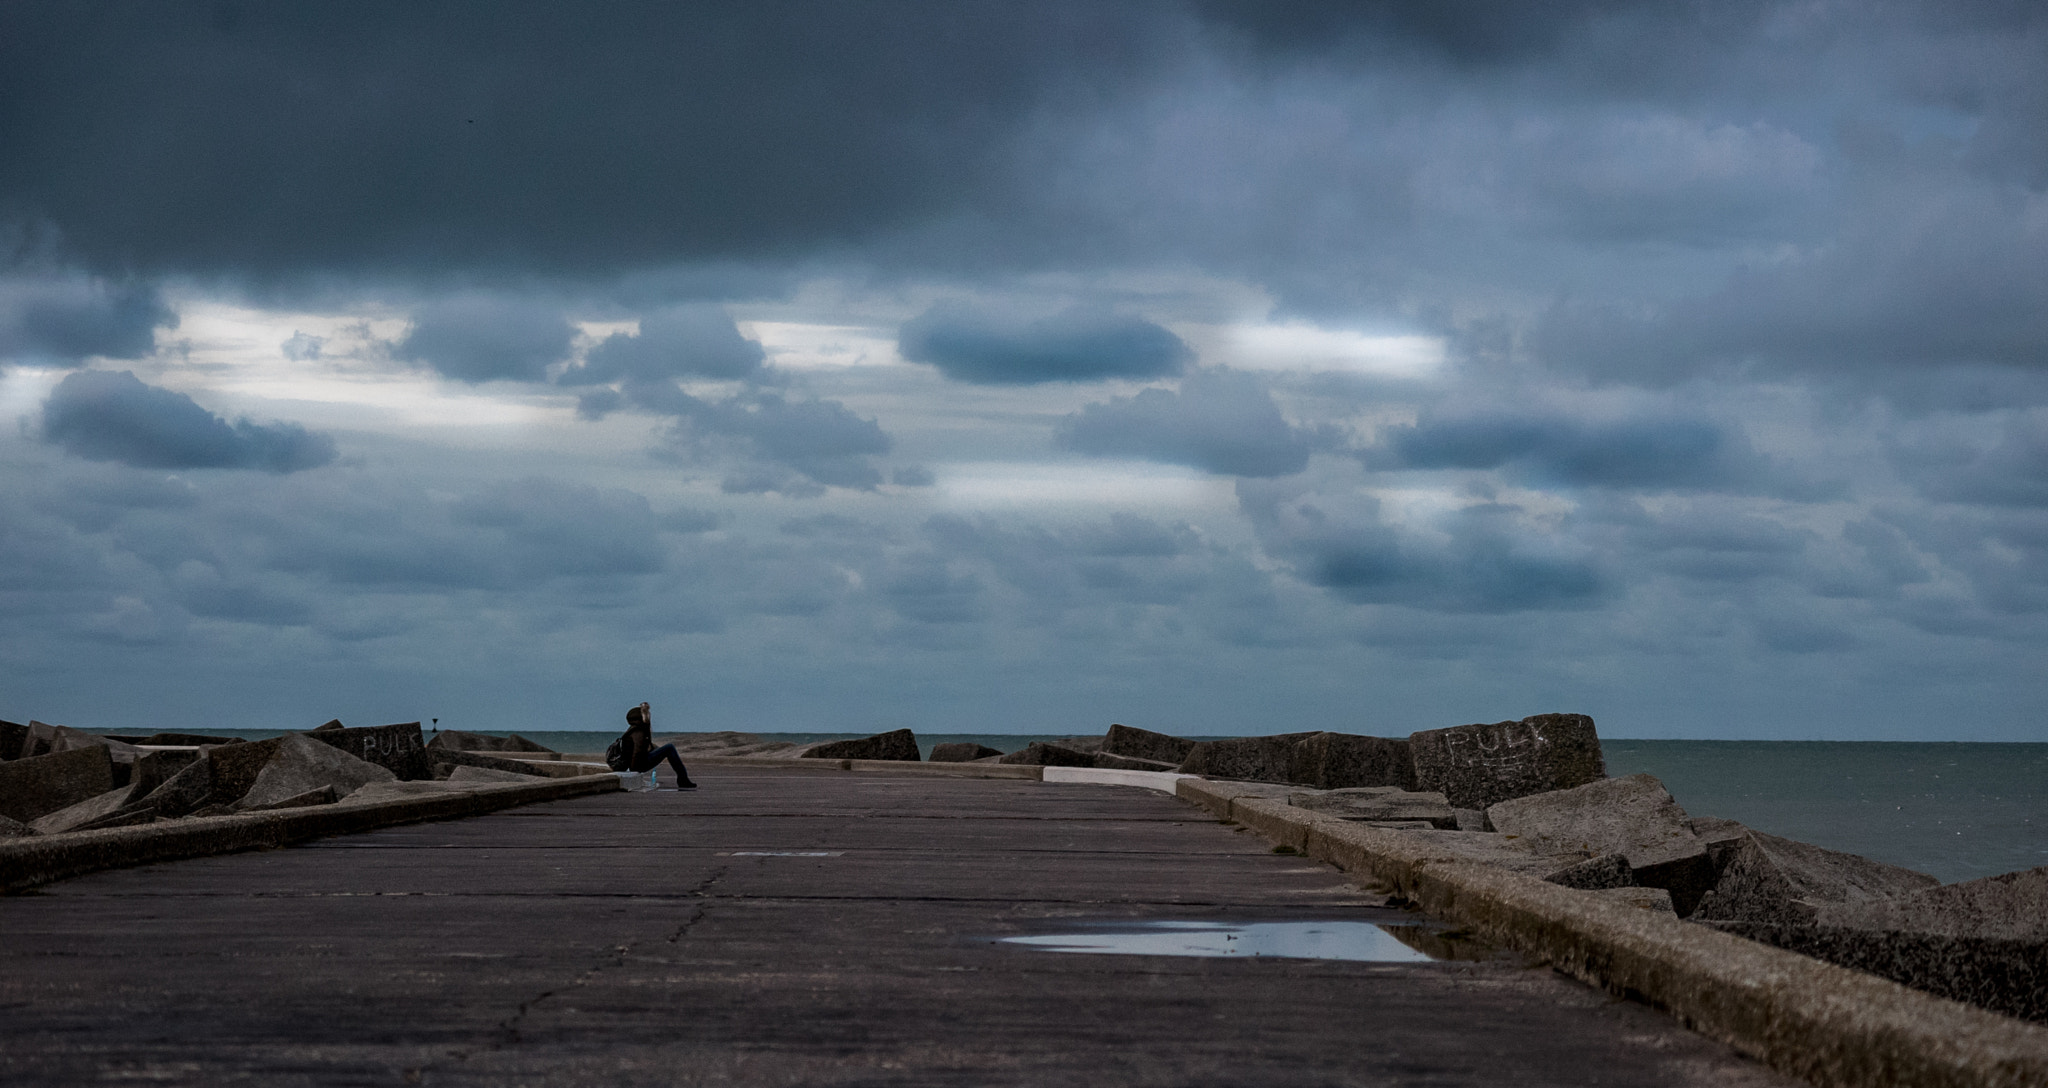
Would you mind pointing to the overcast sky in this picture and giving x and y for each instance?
(997, 367)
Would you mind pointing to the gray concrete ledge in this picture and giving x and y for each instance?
(25, 863)
(1826, 1024)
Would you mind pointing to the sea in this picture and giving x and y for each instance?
(1955, 811)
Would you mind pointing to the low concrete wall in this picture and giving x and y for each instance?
(1826, 1024)
(25, 863)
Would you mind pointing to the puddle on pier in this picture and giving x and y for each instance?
(1363, 941)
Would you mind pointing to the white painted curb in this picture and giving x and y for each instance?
(1164, 781)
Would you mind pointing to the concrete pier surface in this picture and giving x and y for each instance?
(775, 927)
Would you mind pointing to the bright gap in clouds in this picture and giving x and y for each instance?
(1123, 484)
(802, 346)
(1302, 346)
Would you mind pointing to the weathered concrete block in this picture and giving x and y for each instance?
(191, 788)
(2001, 974)
(961, 752)
(1335, 761)
(1654, 900)
(1601, 873)
(453, 758)
(302, 764)
(1721, 836)
(2011, 906)
(1768, 879)
(1041, 754)
(1471, 819)
(1377, 804)
(897, 744)
(482, 742)
(396, 748)
(156, 768)
(1481, 765)
(1124, 740)
(1633, 816)
(89, 811)
(13, 738)
(1245, 759)
(39, 785)
(1109, 761)
(319, 795)
(231, 770)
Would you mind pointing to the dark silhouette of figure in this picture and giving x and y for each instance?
(641, 755)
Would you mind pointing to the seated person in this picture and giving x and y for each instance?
(641, 755)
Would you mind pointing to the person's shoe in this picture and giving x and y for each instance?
(686, 784)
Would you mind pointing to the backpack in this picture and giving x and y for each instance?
(615, 756)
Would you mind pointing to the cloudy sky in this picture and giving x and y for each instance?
(991, 367)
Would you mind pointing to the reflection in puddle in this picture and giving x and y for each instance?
(1292, 940)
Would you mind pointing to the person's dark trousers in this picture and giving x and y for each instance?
(668, 752)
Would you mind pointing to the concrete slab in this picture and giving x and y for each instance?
(673, 938)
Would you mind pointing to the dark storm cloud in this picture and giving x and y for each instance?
(420, 137)
(63, 319)
(1220, 421)
(1666, 451)
(970, 344)
(683, 341)
(479, 339)
(106, 415)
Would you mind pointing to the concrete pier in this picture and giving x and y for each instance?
(774, 928)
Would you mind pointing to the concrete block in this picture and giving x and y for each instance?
(2003, 975)
(961, 752)
(1471, 819)
(1335, 761)
(1124, 740)
(1721, 836)
(232, 769)
(1633, 816)
(190, 789)
(319, 795)
(2011, 906)
(1477, 766)
(1378, 804)
(1768, 879)
(156, 768)
(1110, 761)
(1606, 872)
(301, 764)
(1656, 900)
(91, 810)
(14, 829)
(13, 739)
(897, 744)
(39, 785)
(1041, 754)
(1245, 759)
(396, 748)
(460, 741)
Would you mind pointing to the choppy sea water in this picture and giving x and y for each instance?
(1956, 811)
